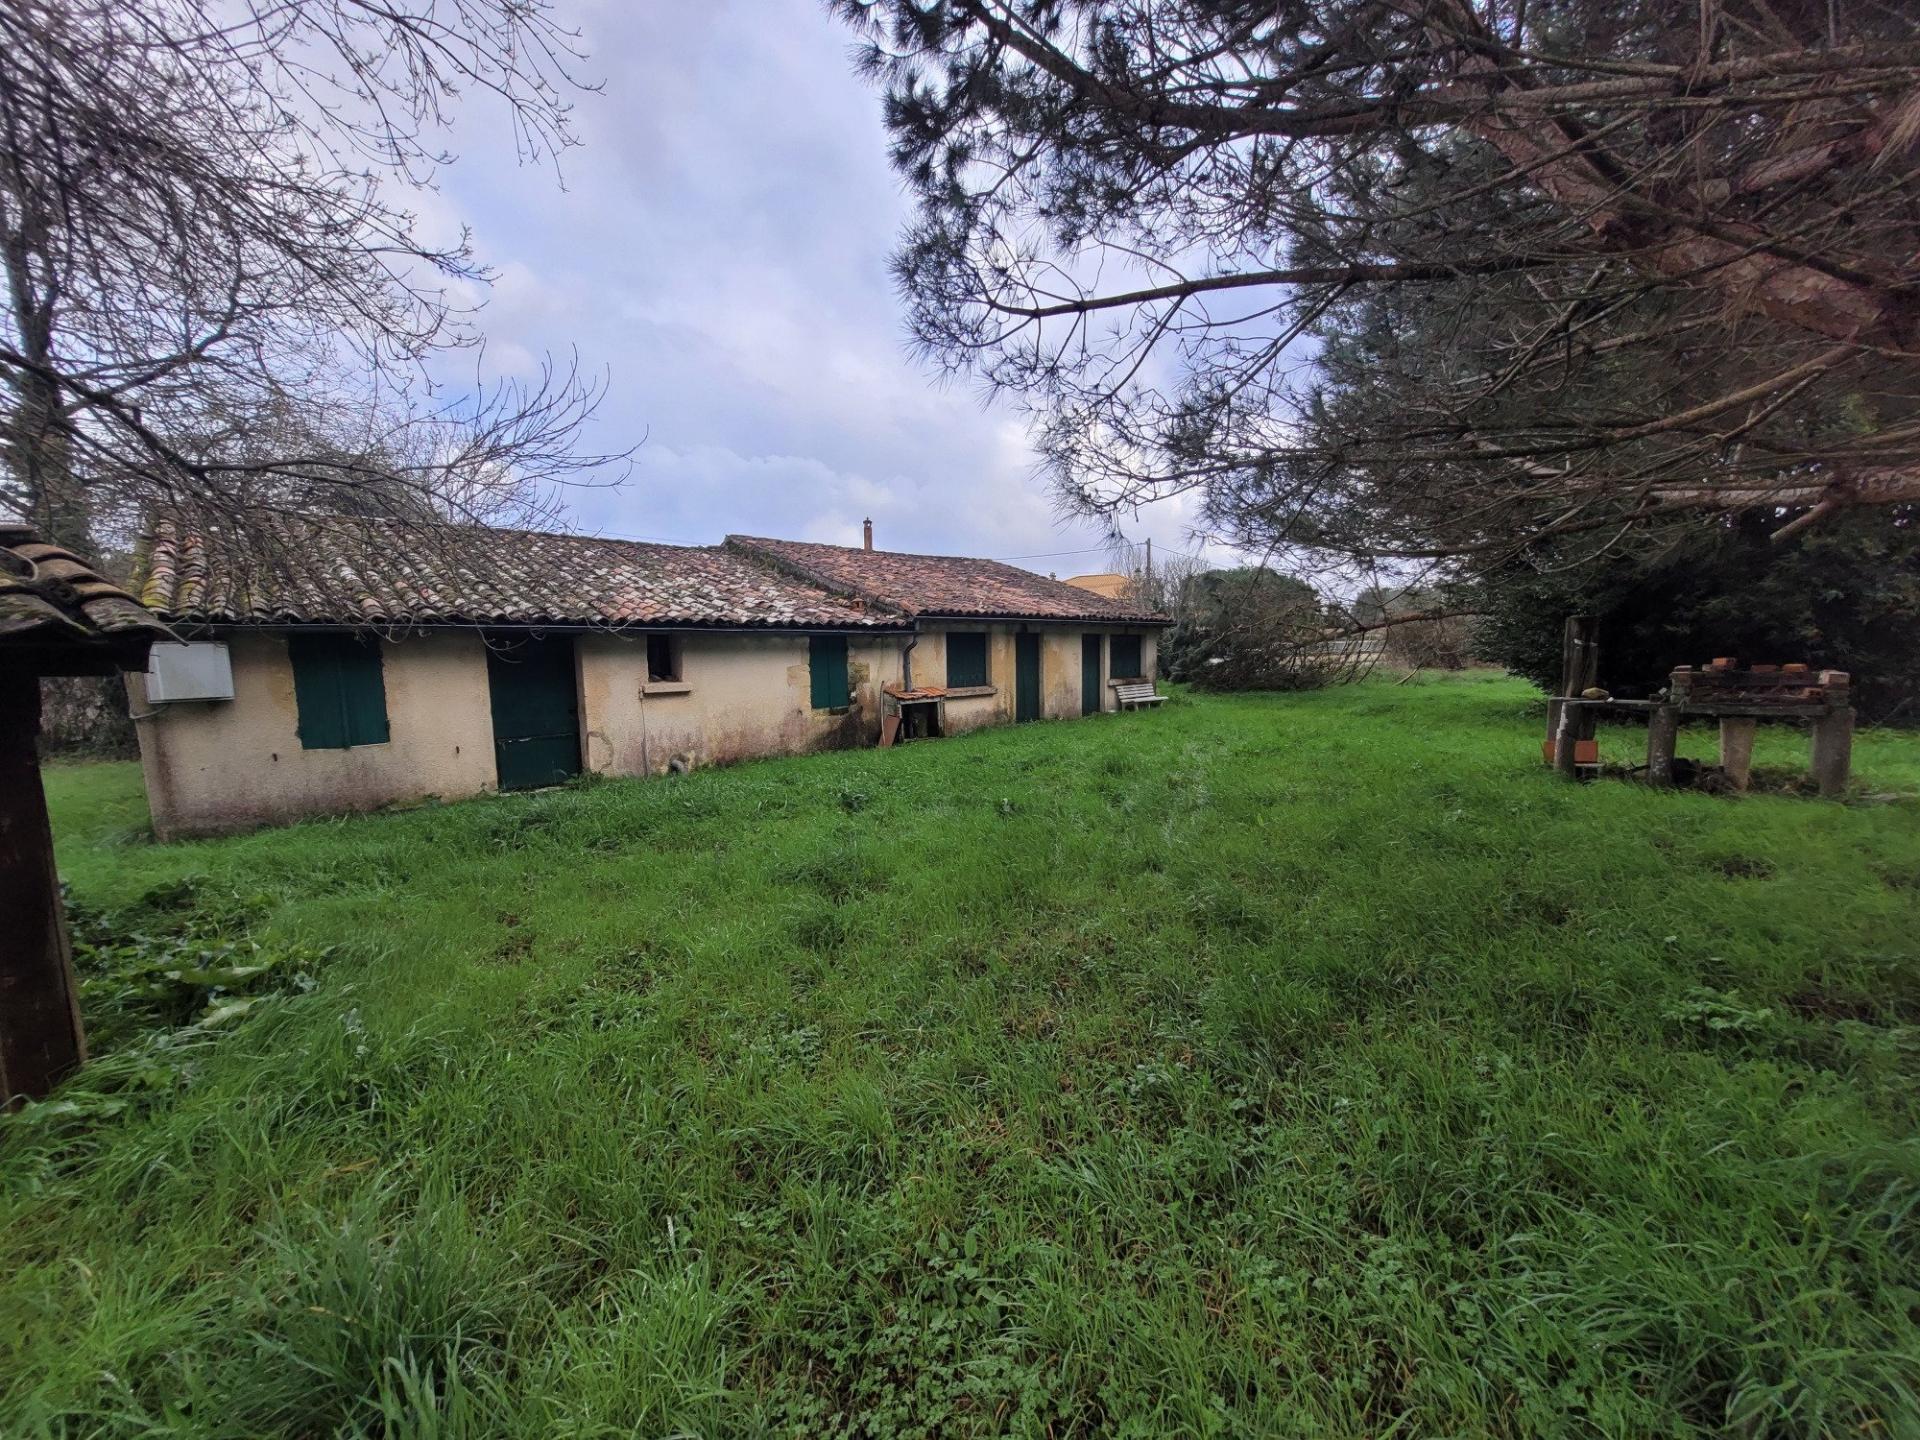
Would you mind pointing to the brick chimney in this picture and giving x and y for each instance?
(867, 528)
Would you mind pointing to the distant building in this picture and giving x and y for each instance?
(1114, 587)
(343, 664)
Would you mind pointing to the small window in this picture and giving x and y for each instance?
(663, 658)
(827, 669)
(338, 691)
(1126, 657)
(966, 659)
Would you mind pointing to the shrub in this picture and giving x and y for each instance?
(1257, 630)
(1844, 594)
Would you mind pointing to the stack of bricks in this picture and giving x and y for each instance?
(1788, 686)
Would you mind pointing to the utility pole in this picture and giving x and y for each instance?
(1149, 558)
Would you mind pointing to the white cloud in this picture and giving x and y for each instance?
(721, 249)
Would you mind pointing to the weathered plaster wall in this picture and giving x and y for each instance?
(1059, 671)
(969, 712)
(227, 764)
(1149, 660)
(1060, 674)
(738, 696)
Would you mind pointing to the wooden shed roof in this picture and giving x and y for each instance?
(59, 616)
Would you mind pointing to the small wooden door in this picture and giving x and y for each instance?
(536, 711)
(1089, 674)
(1026, 677)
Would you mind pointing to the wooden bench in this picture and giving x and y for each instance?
(1134, 693)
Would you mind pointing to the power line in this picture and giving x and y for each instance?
(1050, 554)
(1100, 549)
(608, 534)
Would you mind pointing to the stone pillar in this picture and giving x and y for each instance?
(1833, 750)
(1663, 733)
(1736, 749)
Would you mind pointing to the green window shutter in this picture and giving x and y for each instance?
(827, 671)
(363, 689)
(316, 692)
(966, 659)
(1125, 657)
(338, 690)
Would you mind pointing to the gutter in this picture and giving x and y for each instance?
(990, 617)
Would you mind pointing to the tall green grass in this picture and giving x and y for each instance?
(1265, 1066)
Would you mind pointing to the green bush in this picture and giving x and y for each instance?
(1844, 594)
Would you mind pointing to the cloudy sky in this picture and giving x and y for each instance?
(720, 250)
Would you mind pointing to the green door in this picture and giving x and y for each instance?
(1089, 674)
(1026, 677)
(536, 711)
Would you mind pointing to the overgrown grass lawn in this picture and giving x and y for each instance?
(1268, 1066)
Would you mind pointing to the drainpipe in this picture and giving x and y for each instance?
(906, 662)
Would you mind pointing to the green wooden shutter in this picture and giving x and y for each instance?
(338, 691)
(827, 671)
(316, 692)
(1125, 657)
(363, 692)
(966, 658)
(1026, 677)
(1090, 698)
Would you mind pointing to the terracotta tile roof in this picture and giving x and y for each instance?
(940, 584)
(59, 617)
(328, 569)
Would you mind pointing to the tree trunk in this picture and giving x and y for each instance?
(37, 444)
(40, 1037)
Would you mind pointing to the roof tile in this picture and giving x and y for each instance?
(295, 569)
(53, 603)
(938, 585)
(292, 569)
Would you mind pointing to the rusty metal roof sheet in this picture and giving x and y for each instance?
(941, 584)
(295, 569)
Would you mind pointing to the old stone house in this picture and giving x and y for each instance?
(334, 664)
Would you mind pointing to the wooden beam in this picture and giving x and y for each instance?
(41, 1042)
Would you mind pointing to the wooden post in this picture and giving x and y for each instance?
(1663, 733)
(1736, 749)
(1579, 654)
(1579, 668)
(1563, 738)
(40, 1038)
(1833, 750)
(1577, 723)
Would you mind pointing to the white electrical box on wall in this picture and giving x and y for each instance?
(195, 670)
